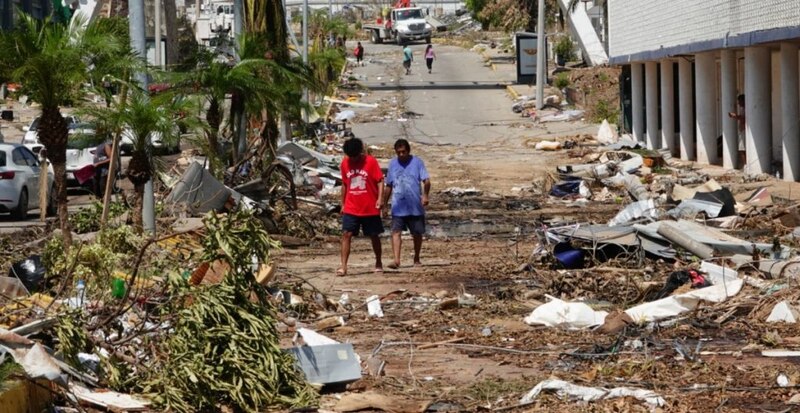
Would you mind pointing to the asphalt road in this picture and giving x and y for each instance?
(462, 102)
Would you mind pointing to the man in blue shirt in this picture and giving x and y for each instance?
(408, 57)
(406, 175)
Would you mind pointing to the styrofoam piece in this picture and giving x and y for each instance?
(312, 338)
(374, 306)
(783, 311)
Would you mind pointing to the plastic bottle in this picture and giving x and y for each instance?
(80, 290)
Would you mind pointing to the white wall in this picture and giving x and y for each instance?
(637, 26)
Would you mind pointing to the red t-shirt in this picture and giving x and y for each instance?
(360, 180)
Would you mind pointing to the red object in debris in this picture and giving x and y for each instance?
(158, 87)
(698, 281)
(84, 174)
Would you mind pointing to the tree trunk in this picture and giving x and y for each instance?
(60, 172)
(53, 134)
(214, 119)
(238, 125)
(171, 20)
(138, 206)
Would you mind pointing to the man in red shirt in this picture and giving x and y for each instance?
(362, 200)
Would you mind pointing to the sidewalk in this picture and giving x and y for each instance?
(505, 65)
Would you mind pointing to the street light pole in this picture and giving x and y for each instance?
(136, 22)
(541, 57)
(157, 33)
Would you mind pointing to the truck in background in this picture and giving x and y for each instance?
(400, 24)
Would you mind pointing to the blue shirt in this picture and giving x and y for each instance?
(405, 182)
(407, 54)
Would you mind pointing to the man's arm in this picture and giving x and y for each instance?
(344, 194)
(380, 202)
(426, 189)
(387, 194)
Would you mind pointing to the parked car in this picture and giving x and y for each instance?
(31, 138)
(126, 144)
(19, 181)
(81, 146)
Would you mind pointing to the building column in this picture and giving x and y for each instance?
(706, 111)
(637, 102)
(668, 106)
(651, 96)
(758, 109)
(685, 99)
(730, 128)
(790, 104)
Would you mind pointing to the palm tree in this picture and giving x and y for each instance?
(143, 118)
(49, 60)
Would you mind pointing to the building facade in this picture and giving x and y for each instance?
(36, 8)
(689, 60)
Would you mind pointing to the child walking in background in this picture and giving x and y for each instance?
(429, 56)
(359, 54)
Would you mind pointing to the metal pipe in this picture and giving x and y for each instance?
(683, 240)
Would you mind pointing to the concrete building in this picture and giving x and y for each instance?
(36, 8)
(688, 61)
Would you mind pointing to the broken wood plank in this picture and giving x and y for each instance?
(439, 343)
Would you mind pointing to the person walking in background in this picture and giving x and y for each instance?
(429, 56)
(358, 52)
(408, 57)
(403, 180)
(362, 200)
(740, 120)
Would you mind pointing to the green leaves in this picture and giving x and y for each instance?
(224, 348)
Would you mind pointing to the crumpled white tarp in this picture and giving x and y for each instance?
(589, 394)
(681, 303)
(558, 313)
(606, 135)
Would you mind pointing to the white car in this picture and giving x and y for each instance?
(126, 143)
(81, 146)
(19, 181)
(31, 138)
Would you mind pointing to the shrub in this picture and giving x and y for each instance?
(603, 110)
(562, 80)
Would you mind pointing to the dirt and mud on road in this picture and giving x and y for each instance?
(453, 336)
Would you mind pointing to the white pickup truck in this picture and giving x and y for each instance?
(401, 25)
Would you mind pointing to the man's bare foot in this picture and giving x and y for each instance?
(417, 264)
(394, 265)
(378, 270)
(341, 272)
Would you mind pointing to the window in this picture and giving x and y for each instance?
(18, 158)
(30, 158)
(2, 159)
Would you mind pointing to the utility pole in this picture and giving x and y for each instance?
(305, 55)
(241, 119)
(196, 15)
(157, 33)
(541, 57)
(136, 21)
(330, 9)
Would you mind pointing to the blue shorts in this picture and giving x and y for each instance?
(371, 225)
(415, 224)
